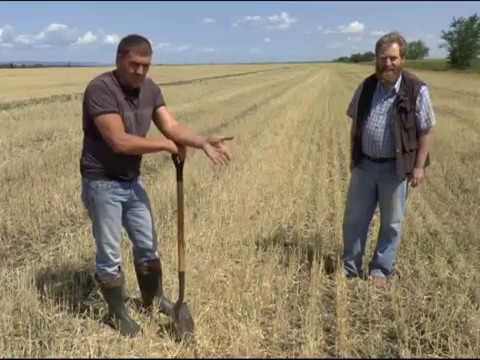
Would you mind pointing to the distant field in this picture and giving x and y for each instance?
(258, 231)
(434, 65)
(440, 65)
(29, 84)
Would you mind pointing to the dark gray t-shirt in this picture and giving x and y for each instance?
(104, 95)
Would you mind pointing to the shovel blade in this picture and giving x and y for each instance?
(183, 323)
(167, 307)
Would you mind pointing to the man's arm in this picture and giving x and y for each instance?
(352, 114)
(423, 146)
(213, 146)
(425, 122)
(175, 131)
(352, 139)
(419, 171)
(113, 132)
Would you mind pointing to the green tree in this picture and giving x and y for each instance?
(368, 56)
(342, 59)
(358, 57)
(417, 50)
(462, 41)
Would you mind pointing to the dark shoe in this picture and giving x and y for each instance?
(149, 277)
(113, 292)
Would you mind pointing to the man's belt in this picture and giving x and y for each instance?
(378, 160)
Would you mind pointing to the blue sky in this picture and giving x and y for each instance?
(218, 32)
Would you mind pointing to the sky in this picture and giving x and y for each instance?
(218, 32)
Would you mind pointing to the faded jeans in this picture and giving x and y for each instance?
(371, 184)
(112, 204)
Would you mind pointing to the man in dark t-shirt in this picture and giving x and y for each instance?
(118, 108)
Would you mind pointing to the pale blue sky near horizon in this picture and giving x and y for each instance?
(218, 32)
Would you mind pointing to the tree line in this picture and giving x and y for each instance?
(462, 42)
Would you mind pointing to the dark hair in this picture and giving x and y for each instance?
(134, 41)
(392, 38)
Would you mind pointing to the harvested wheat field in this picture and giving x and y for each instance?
(263, 234)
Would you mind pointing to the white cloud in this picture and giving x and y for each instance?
(162, 45)
(378, 33)
(319, 27)
(169, 47)
(56, 27)
(254, 18)
(282, 21)
(112, 39)
(86, 39)
(24, 39)
(267, 40)
(353, 27)
(55, 35)
(208, 20)
(7, 34)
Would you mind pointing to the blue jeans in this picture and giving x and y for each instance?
(371, 184)
(112, 204)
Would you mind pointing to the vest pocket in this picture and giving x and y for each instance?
(409, 133)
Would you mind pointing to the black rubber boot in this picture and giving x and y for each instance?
(118, 317)
(149, 277)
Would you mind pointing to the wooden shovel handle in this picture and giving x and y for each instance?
(180, 227)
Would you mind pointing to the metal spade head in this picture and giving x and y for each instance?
(183, 323)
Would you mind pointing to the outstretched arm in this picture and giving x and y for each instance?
(213, 146)
(113, 132)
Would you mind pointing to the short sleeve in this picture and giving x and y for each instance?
(353, 106)
(99, 99)
(158, 99)
(424, 110)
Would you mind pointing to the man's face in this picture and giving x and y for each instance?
(133, 68)
(389, 63)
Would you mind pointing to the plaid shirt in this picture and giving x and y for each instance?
(377, 136)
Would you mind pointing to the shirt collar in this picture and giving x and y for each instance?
(128, 92)
(396, 87)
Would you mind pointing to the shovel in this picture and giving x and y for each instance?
(182, 319)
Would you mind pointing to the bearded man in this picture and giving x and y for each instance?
(392, 118)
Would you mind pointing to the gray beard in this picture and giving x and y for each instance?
(390, 78)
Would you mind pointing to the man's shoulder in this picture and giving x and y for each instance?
(150, 84)
(100, 81)
(369, 82)
(413, 77)
(372, 78)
